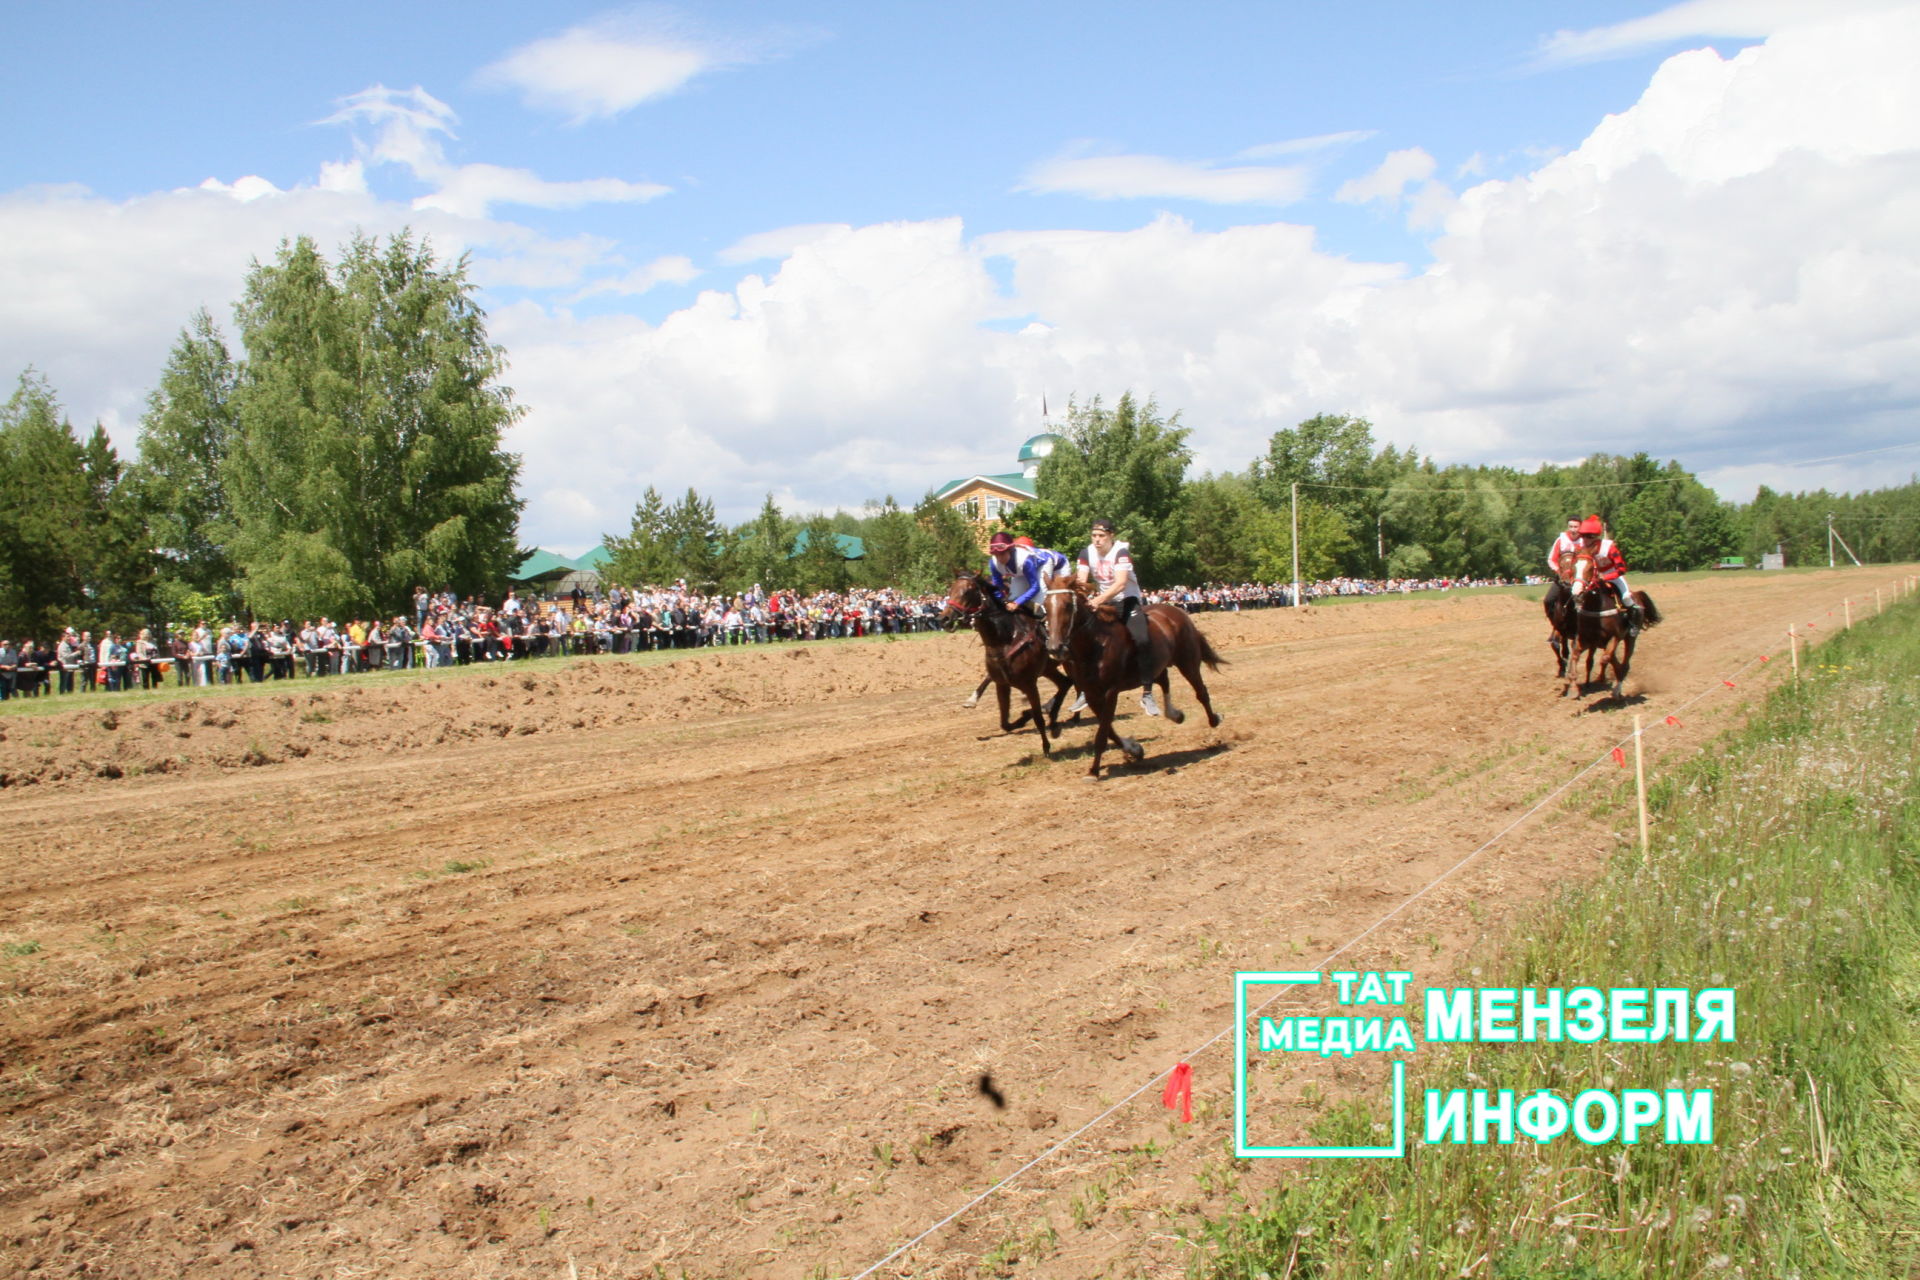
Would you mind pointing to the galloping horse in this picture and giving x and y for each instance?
(1599, 627)
(1099, 654)
(1016, 658)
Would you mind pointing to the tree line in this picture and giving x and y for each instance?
(346, 446)
(349, 452)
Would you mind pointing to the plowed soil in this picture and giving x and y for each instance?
(584, 968)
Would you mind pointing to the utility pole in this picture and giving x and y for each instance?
(1295, 504)
(1829, 539)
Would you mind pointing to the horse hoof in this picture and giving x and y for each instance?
(1177, 717)
(1132, 749)
(971, 702)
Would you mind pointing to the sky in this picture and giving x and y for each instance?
(834, 252)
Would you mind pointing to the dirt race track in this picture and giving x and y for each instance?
(579, 968)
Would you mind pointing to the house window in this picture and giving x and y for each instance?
(994, 507)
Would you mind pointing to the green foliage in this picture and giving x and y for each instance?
(945, 542)
(889, 534)
(1128, 464)
(366, 454)
(184, 439)
(71, 542)
(761, 549)
(818, 564)
(644, 556)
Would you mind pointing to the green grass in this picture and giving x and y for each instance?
(1784, 865)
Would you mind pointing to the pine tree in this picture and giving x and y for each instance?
(644, 555)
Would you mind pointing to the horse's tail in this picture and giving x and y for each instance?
(1207, 655)
(1650, 614)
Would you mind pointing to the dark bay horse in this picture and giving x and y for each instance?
(1099, 654)
(1562, 625)
(1600, 628)
(1016, 655)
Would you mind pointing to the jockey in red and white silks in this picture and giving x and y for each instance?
(1609, 565)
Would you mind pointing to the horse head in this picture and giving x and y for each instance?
(1065, 604)
(1581, 576)
(965, 597)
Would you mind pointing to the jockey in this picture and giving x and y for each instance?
(1560, 560)
(1564, 545)
(1611, 567)
(1019, 570)
(1110, 564)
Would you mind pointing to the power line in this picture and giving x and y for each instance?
(1839, 457)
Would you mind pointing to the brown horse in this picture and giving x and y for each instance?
(1562, 625)
(1600, 628)
(1099, 653)
(1016, 658)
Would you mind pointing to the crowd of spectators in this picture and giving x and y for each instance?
(444, 630)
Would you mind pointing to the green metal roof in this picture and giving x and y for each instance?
(851, 548)
(1011, 480)
(541, 564)
(594, 558)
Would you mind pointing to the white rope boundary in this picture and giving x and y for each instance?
(1351, 943)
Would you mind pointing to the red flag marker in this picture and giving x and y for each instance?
(1766, 657)
(1674, 721)
(1179, 1092)
(1620, 756)
(1730, 684)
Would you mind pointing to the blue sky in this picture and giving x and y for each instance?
(835, 250)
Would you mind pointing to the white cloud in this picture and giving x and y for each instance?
(1727, 272)
(1390, 180)
(1305, 146)
(1697, 19)
(669, 270)
(616, 62)
(780, 242)
(1158, 178)
(585, 73)
(407, 126)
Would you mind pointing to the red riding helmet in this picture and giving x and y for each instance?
(1591, 525)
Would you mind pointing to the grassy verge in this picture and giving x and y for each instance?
(1784, 865)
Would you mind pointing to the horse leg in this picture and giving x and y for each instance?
(1032, 689)
(1098, 702)
(1190, 668)
(974, 701)
(1129, 748)
(1003, 689)
(1167, 709)
(1060, 687)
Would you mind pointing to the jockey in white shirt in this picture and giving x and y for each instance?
(1110, 564)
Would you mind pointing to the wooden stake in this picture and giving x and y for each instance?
(1847, 615)
(1793, 645)
(1640, 789)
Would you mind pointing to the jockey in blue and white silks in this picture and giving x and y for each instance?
(1019, 570)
